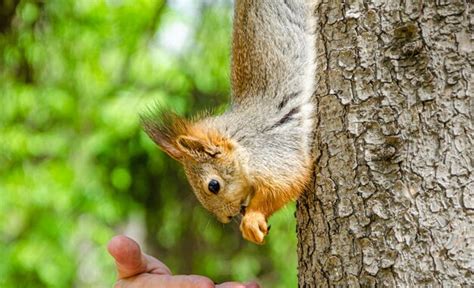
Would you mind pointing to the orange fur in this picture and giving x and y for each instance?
(270, 195)
(258, 150)
(178, 137)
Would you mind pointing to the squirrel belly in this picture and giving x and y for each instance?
(260, 148)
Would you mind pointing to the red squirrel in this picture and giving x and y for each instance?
(256, 156)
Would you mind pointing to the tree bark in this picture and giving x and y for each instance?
(392, 201)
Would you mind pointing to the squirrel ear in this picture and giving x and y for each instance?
(162, 128)
(198, 148)
(181, 139)
(165, 143)
(169, 148)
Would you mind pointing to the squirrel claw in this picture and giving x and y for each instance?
(254, 227)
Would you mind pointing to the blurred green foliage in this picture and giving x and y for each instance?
(75, 166)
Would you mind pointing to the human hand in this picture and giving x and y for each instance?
(136, 269)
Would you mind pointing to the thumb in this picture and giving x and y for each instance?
(129, 259)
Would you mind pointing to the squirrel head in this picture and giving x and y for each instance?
(212, 162)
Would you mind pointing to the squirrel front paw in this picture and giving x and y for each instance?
(254, 227)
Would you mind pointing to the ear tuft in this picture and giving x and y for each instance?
(163, 127)
(184, 139)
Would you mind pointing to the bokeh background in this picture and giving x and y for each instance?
(75, 166)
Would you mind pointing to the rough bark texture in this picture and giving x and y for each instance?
(392, 202)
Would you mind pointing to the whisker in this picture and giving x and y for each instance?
(238, 217)
(207, 224)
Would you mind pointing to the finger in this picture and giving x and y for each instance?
(250, 235)
(238, 285)
(129, 259)
(128, 256)
(263, 227)
(231, 285)
(257, 236)
(166, 281)
(252, 285)
(246, 235)
(246, 232)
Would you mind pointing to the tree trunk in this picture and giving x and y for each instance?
(392, 201)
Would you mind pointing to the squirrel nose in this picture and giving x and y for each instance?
(224, 219)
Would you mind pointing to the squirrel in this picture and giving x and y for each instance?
(256, 156)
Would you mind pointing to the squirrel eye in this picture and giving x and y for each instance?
(214, 186)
